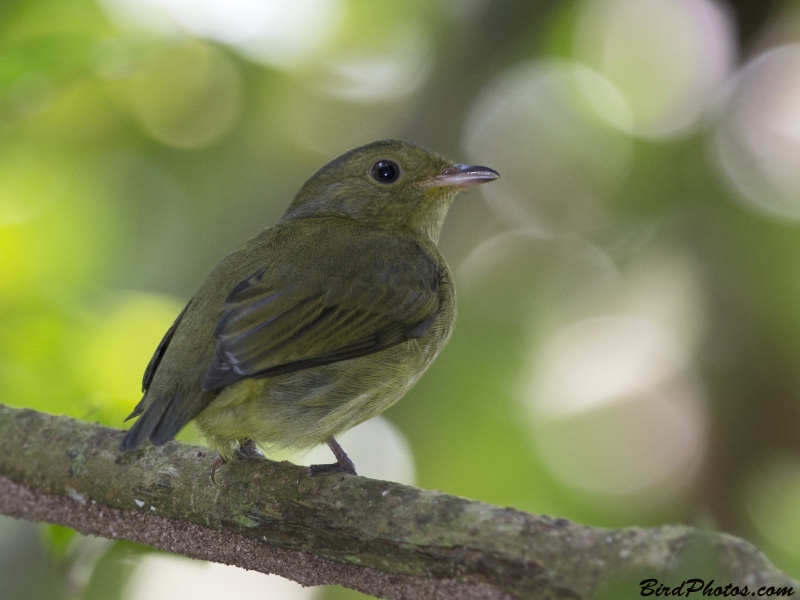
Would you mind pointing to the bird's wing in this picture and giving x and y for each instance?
(162, 348)
(318, 297)
(152, 366)
(282, 320)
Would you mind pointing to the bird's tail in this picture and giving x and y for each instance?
(163, 419)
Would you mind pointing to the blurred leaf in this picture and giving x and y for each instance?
(337, 592)
(63, 56)
(58, 538)
(112, 572)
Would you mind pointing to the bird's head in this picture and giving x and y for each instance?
(388, 183)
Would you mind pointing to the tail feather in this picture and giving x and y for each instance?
(136, 411)
(148, 422)
(164, 418)
(170, 423)
(136, 435)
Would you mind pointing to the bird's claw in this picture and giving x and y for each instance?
(247, 449)
(304, 474)
(218, 462)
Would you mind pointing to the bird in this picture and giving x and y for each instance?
(319, 322)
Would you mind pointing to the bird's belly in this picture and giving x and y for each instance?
(302, 409)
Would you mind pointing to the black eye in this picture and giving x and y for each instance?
(385, 171)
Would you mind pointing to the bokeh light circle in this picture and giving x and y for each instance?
(511, 272)
(277, 32)
(187, 96)
(668, 58)
(616, 410)
(757, 135)
(552, 128)
(166, 577)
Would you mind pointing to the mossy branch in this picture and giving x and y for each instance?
(385, 539)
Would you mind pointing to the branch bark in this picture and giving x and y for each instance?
(381, 538)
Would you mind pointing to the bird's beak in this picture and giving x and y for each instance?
(464, 176)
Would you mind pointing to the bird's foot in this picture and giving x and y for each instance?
(247, 449)
(315, 470)
(343, 464)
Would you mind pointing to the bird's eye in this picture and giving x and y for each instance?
(385, 171)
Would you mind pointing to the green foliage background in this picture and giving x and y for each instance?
(132, 160)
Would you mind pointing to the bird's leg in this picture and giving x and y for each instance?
(247, 448)
(343, 463)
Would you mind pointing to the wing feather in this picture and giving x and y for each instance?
(267, 329)
(152, 366)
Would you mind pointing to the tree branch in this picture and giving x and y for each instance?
(381, 538)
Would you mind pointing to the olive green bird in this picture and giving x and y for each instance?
(317, 323)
